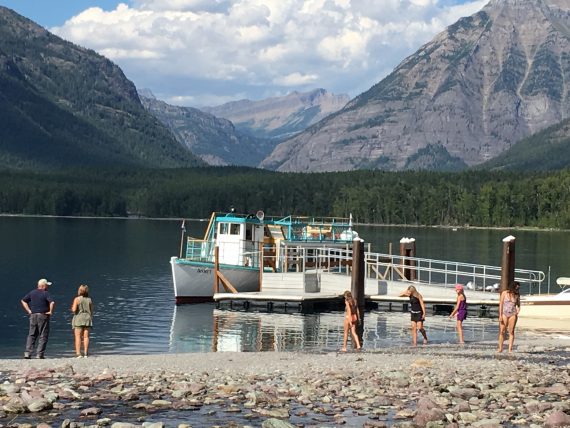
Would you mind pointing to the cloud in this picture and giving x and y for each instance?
(199, 50)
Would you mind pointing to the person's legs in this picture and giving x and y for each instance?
(32, 336)
(85, 341)
(460, 331)
(355, 336)
(77, 336)
(345, 335)
(43, 327)
(420, 325)
(414, 334)
(511, 327)
(502, 327)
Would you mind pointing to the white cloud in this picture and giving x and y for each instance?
(198, 50)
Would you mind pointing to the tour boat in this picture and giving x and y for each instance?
(237, 248)
(548, 306)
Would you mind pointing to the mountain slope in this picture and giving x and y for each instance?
(63, 105)
(546, 150)
(280, 117)
(214, 140)
(483, 84)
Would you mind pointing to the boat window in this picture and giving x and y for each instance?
(248, 232)
(224, 228)
(235, 229)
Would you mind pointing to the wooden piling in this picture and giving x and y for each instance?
(508, 262)
(357, 285)
(408, 249)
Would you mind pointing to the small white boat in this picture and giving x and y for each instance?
(547, 306)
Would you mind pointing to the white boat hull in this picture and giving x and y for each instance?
(194, 281)
(546, 307)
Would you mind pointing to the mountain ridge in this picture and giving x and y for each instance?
(65, 105)
(280, 117)
(478, 87)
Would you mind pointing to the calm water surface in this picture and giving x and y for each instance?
(126, 265)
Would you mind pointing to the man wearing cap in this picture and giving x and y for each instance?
(39, 305)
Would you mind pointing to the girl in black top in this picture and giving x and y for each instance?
(418, 313)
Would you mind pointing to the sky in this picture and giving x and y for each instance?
(208, 52)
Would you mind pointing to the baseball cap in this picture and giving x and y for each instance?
(44, 281)
(458, 287)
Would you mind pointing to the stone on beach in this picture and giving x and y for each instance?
(435, 386)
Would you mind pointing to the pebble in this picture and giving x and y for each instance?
(388, 388)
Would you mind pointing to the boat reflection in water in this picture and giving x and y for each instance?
(203, 328)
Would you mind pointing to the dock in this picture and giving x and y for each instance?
(317, 291)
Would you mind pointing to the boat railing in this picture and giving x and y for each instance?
(447, 273)
(401, 268)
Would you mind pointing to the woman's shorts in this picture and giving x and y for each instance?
(417, 316)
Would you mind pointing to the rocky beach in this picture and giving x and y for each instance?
(431, 386)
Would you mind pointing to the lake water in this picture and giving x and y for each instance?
(126, 265)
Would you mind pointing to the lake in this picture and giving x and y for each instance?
(126, 265)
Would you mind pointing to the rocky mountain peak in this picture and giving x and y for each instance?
(477, 88)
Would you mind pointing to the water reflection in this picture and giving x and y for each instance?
(203, 328)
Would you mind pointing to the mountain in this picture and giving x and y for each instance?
(214, 140)
(477, 88)
(280, 117)
(63, 105)
(546, 150)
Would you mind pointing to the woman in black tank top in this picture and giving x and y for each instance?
(417, 312)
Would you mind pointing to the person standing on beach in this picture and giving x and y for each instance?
(82, 308)
(39, 305)
(509, 308)
(460, 311)
(351, 319)
(418, 313)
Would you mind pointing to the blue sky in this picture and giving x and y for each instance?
(207, 52)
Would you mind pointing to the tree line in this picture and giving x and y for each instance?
(476, 198)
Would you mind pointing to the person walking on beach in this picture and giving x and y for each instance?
(351, 319)
(82, 308)
(509, 308)
(460, 311)
(418, 313)
(39, 305)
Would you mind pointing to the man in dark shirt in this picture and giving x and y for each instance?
(39, 305)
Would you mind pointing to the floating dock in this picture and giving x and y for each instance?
(314, 291)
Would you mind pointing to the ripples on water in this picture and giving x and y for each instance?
(202, 328)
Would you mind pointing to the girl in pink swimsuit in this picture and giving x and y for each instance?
(509, 307)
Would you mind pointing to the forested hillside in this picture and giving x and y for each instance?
(543, 151)
(63, 105)
(476, 198)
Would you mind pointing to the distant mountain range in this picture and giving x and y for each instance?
(486, 82)
(63, 105)
(491, 91)
(214, 140)
(280, 117)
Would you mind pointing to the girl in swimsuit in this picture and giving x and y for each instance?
(418, 313)
(509, 307)
(351, 319)
(460, 311)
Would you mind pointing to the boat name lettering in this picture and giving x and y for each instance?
(204, 270)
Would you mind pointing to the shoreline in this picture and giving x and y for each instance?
(441, 385)
(434, 226)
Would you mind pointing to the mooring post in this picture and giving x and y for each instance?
(216, 268)
(408, 249)
(508, 262)
(357, 285)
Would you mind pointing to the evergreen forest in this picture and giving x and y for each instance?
(474, 198)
